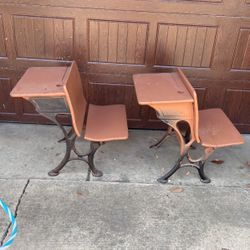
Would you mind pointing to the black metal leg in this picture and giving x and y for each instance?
(199, 166)
(161, 141)
(93, 148)
(69, 134)
(69, 141)
(164, 178)
(203, 176)
(55, 171)
(70, 138)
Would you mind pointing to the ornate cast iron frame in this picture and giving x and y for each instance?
(50, 110)
(186, 141)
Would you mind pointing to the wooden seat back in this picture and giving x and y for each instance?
(196, 110)
(75, 97)
(216, 130)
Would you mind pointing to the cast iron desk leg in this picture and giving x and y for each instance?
(69, 139)
(186, 143)
(163, 139)
(199, 165)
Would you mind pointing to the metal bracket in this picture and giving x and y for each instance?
(168, 133)
(198, 164)
(70, 139)
(186, 141)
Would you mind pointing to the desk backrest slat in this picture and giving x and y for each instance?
(196, 110)
(75, 97)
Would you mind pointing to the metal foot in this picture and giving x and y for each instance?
(203, 176)
(65, 160)
(87, 158)
(198, 165)
(165, 177)
(93, 147)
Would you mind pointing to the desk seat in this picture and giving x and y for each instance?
(106, 123)
(216, 130)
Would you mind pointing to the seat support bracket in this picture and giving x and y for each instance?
(186, 141)
(199, 165)
(70, 139)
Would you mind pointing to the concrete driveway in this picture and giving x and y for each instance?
(126, 208)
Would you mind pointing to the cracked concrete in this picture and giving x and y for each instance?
(10, 192)
(7, 231)
(126, 208)
(101, 215)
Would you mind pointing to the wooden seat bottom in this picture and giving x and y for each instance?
(216, 130)
(106, 123)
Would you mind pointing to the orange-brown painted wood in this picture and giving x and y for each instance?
(178, 102)
(174, 99)
(41, 82)
(104, 123)
(216, 130)
(152, 89)
(76, 100)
